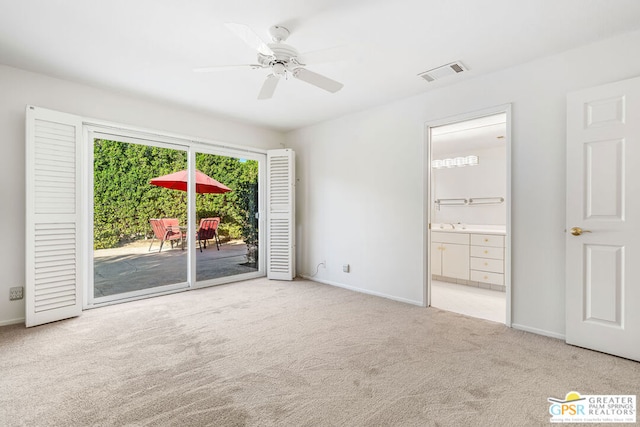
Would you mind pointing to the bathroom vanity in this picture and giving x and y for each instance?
(471, 256)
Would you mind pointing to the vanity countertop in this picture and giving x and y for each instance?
(470, 228)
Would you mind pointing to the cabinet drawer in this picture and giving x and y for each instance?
(487, 240)
(486, 264)
(486, 277)
(487, 252)
(444, 237)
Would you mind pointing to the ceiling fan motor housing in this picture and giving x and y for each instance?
(283, 55)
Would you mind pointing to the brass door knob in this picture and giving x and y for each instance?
(576, 231)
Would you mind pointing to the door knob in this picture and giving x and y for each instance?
(576, 231)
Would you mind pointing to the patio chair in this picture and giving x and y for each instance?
(208, 229)
(165, 229)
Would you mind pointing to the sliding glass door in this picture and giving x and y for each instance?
(139, 218)
(227, 238)
(168, 217)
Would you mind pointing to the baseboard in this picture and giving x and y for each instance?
(538, 331)
(362, 291)
(12, 321)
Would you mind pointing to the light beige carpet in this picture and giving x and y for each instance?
(265, 353)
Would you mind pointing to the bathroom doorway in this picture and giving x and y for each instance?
(468, 241)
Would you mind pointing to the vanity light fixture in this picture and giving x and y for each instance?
(472, 160)
(455, 162)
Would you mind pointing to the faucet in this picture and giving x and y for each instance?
(453, 227)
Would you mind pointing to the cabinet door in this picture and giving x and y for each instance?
(455, 261)
(436, 259)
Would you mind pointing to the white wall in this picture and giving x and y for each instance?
(487, 179)
(360, 191)
(19, 88)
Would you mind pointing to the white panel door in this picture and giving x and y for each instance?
(603, 219)
(281, 214)
(53, 234)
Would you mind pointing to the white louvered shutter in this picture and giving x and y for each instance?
(53, 286)
(281, 214)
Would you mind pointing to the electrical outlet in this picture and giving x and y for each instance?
(16, 293)
(345, 268)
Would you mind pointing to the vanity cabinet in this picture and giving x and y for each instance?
(450, 255)
(436, 258)
(468, 258)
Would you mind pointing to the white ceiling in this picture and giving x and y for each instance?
(149, 47)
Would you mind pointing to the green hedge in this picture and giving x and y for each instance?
(124, 201)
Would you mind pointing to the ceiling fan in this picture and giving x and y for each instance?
(282, 59)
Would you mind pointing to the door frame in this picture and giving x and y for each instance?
(427, 179)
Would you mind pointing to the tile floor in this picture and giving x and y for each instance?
(471, 301)
(134, 267)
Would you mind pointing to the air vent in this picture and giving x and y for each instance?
(443, 71)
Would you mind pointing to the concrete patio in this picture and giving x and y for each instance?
(133, 267)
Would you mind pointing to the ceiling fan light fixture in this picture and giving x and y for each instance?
(279, 69)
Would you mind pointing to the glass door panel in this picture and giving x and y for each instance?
(139, 221)
(226, 220)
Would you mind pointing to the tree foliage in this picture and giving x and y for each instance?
(124, 200)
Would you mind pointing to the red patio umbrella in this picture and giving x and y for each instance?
(178, 181)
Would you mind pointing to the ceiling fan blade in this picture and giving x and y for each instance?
(250, 38)
(317, 80)
(268, 87)
(227, 67)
